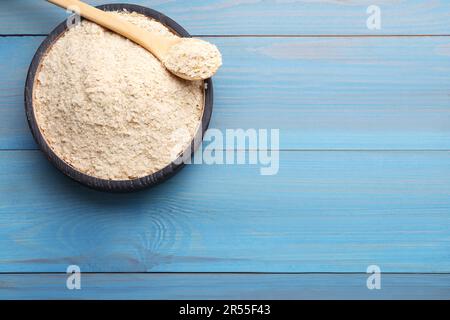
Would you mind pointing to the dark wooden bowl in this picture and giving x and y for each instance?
(93, 182)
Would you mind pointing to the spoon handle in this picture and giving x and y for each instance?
(156, 44)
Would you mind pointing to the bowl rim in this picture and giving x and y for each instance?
(91, 181)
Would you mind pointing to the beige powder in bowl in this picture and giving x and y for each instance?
(109, 108)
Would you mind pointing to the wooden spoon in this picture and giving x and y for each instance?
(157, 44)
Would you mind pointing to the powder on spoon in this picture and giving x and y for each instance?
(193, 59)
(109, 108)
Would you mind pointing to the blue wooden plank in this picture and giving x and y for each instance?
(256, 17)
(323, 212)
(16, 57)
(356, 93)
(225, 286)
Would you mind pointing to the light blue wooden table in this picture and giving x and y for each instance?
(364, 119)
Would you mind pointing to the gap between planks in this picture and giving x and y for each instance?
(228, 273)
(276, 35)
(289, 150)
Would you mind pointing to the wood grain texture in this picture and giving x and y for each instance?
(225, 286)
(255, 17)
(323, 212)
(355, 93)
(326, 211)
